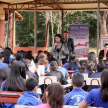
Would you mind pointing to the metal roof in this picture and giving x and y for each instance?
(74, 5)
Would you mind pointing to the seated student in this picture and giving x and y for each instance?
(7, 53)
(99, 97)
(77, 95)
(72, 65)
(36, 60)
(87, 67)
(60, 78)
(30, 96)
(47, 65)
(4, 72)
(62, 69)
(2, 64)
(53, 96)
(29, 73)
(41, 67)
(100, 69)
(19, 57)
(14, 82)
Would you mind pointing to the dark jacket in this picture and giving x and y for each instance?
(101, 53)
(70, 44)
(59, 75)
(30, 74)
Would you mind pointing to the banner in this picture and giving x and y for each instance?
(103, 41)
(80, 34)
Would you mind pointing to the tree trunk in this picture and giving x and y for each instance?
(102, 20)
(47, 19)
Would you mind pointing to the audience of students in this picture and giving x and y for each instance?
(15, 71)
(30, 96)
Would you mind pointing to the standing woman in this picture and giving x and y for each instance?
(59, 49)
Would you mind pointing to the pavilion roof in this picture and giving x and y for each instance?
(43, 5)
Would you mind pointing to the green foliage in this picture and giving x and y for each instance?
(25, 28)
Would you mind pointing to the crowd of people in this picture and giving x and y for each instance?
(21, 71)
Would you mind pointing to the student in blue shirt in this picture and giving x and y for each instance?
(72, 65)
(99, 97)
(30, 96)
(77, 95)
(2, 64)
(14, 82)
(62, 69)
(100, 68)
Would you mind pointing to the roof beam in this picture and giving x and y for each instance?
(59, 2)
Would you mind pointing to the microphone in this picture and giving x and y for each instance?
(56, 41)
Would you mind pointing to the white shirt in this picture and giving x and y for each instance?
(41, 70)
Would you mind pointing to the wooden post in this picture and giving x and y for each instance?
(62, 23)
(35, 28)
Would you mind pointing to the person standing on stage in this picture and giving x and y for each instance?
(69, 41)
(104, 52)
(59, 49)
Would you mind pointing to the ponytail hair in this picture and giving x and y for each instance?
(104, 86)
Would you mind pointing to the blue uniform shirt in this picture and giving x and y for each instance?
(75, 97)
(67, 64)
(64, 71)
(47, 68)
(29, 98)
(77, 70)
(96, 75)
(3, 65)
(95, 97)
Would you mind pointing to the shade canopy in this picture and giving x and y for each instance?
(42, 5)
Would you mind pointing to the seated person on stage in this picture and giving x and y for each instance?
(87, 67)
(30, 96)
(77, 95)
(2, 64)
(60, 78)
(53, 97)
(104, 52)
(100, 69)
(99, 97)
(62, 69)
(72, 65)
